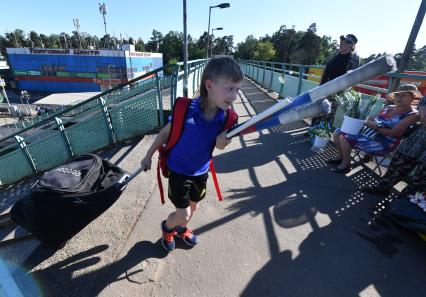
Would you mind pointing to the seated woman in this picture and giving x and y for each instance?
(411, 154)
(390, 124)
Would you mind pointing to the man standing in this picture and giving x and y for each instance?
(340, 63)
(345, 59)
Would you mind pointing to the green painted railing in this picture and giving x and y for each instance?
(128, 110)
(292, 80)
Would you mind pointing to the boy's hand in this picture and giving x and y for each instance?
(146, 163)
(222, 141)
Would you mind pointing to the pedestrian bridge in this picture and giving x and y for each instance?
(126, 111)
(288, 226)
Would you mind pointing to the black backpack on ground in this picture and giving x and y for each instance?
(67, 198)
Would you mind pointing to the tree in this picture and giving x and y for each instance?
(65, 40)
(16, 39)
(75, 40)
(154, 43)
(171, 46)
(139, 46)
(328, 48)
(418, 61)
(35, 39)
(202, 41)
(54, 41)
(246, 49)
(309, 47)
(194, 50)
(285, 43)
(223, 45)
(264, 51)
(45, 42)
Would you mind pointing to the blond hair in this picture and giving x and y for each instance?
(221, 67)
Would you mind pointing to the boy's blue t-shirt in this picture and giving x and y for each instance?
(192, 154)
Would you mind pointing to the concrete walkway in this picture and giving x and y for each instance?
(287, 227)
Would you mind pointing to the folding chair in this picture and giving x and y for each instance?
(384, 161)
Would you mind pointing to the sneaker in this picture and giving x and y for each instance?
(187, 236)
(168, 240)
(380, 190)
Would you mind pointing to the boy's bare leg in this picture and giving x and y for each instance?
(180, 217)
(193, 206)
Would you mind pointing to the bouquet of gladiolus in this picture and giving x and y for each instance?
(419, 199)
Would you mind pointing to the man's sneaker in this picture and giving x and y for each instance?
(168, 240)
(186, 234)
(380, 190)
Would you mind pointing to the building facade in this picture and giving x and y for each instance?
(77, 70)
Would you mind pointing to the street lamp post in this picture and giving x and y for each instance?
(185, 53)
(222, 5)
(211, 47)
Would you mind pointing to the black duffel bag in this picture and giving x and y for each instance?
(78, 177)
(69, 197)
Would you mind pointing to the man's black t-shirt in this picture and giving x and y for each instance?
(338, 66)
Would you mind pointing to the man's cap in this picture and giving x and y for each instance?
(407, 88)
(349, 38)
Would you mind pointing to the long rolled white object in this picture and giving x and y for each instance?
(314, 109)
(370, 70)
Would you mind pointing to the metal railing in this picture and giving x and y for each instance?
(125, 111)
(291, 80)
(296, 80)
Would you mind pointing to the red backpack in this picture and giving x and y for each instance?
(179, 112)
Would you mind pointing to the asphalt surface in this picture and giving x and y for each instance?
(287, 227)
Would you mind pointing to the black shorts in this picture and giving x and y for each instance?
(183, 188)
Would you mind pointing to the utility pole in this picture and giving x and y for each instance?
(103, 11)
(208, 35)
(185, 53)
(77, 28)
(410, 43)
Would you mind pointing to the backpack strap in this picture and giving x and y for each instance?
(160, 184)
(178, 120)
(230, 121)
(215, 181)
(179, 112)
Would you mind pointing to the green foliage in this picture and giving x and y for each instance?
(285, 42)
(169, 70)
(140, 46)
(328, 48)
(309, 48)
(264, 51)
(289, 45)
(246, 49)
(223, 45)
(322, 130)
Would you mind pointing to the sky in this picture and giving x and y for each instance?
(380, 25)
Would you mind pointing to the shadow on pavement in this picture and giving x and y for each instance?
(356, 250)
(59, 279)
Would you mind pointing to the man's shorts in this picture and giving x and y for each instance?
(183, 188)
